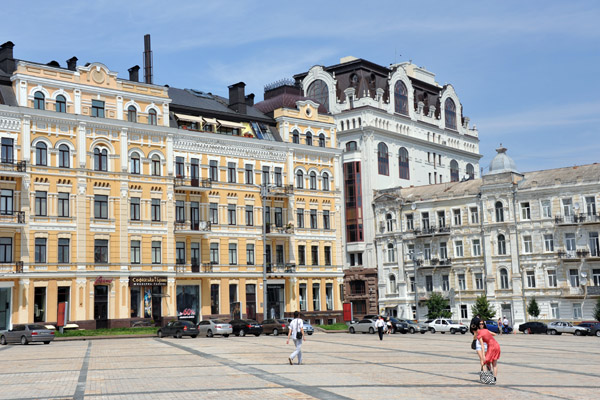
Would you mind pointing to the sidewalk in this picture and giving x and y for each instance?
(72, 338)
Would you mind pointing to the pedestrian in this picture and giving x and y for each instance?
(296, 331)
(500, 326)
(475, 345)
(389, 325)
(492, 352)
(505, 323)
(380, 324)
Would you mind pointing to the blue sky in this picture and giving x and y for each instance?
(526, 71)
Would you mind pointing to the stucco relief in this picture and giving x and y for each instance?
(221, 149)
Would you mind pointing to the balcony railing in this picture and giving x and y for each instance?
(14, 217)
(576, 219)
(193, 182)
(282, 230)
(287, 268)
(200, 226)
(13, 165)
(430, 230)
(280, 190)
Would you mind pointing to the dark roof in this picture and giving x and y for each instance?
(7, 95)
(284, 100)
(350, 66)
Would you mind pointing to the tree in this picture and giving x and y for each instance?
(597, 310)
(533, 309)
(438, 306)
(483, 308)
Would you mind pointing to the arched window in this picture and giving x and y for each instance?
(454, 171)
(313, 180)
(155, 165)
(296, 137)
(391, 254)
(450, 110)
(325, 181)
(132, 114)
(351, 146)
(403, 163)
(100, 159)
(134, 164)
(321, 140)
(393, 284)
(299, 179)
(401, 98)
(61, 103)
(389, 222)
(41, 154)
(308, 139)
(499, 211)
(39, 101)
(152, 119)
(63, 156)
(503, 278)
(501, 245)
(319, 92)
(383, 162)
(470, 171)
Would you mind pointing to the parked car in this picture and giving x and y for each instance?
(594, 327)
(560, 327)
(364, 326)
(243, 327)
(178, 329)
(275, 326)
(27, 333)
(414, 326)
(492, 326)
(533, 327)
(399, 325)
(446, 325)
(371, 316)
(213, 327)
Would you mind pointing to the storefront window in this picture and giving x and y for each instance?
(136, 301)
(188, 303)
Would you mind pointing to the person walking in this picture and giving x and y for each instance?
(492, 352)
(389, 326)
(500, 326)
(296, 331)
(379, 324)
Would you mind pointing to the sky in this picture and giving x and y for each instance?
(526, 72)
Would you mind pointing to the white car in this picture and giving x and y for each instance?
(446, 325)
(364, 326)
(214, 327)
(560, 327)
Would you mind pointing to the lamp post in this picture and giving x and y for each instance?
(264, 190)
(413, 256)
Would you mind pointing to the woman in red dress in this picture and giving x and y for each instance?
(493, 348)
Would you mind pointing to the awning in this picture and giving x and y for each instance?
(189, 118)
(229, 124)
(212, 121)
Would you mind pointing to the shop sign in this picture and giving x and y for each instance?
(188, 313)
(147, 281)
(103, 281)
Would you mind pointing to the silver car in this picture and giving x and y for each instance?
(560, 327)
(308, 328)
(364, 326)
(213, 327)
(27, 333)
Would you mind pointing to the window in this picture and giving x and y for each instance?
(299, 179)
(100, 159)
(6, 202)
(326, 220)
(278, 177)
(179, 167)
(427, 251)
(429, 283)
(302, 296)
(136, 252)
(313, 219)
(39, 101)
(590, 205)
(382, 159)
(470, 171)
(313, 180)
(445, 283)
(594, 245)
(319, 92)
(131, 114)
(464, 312)
(195, 253)
(403, 164)
(250, 254)
(457, 217)
(574, 278)
(549, 242)
(63, 250)
(300, 217)
(231, 172)
(266, 172)
(503, 279)
(389, 222)
(458, 248)
(231, 214)
(314, 253)
(5, 250)
(278, 217)
(155, 165)
(454, 171)
(40, 250)
(63, 204)
(155, 210)
(554, 311)
(180, 253)
(499, 211)
(450, 113)
(41, 204)
(327, 253)
(279, 254)
(443, 250)
(249, 215)
(567, 207)
(63, 156)
(41, 154)
(97, 108)
(249, 174)
(577, 313)
(214, 253)
(474, 215)
(296, 137)
(400, 98)
(195, 215)
(552, 278)
(309, 139)
(476, 247)
(391, 253)
(351, 146)
(527, 245)
(321, 140)
(462, 283)
(501, 245)
(425, 221)
(530, 279)
(325, 181)
(570, 243)
(546, 209)
(134, 208)
(214, 170)
(213, 213)
(301, 255)
(410, 224)
(596, 277)
(232, 254)
(525, 211)
(134, 164)
(214, 298)
(156, 252)
(316, 297)
(412, 283)
(101, 251)
(7, 150)
(152, 118)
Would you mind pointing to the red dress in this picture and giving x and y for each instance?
(493, 348)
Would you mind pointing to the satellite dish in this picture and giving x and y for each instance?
(584, 281)
(202, 225)
(583, 274)
(576, 206)
(413, 206)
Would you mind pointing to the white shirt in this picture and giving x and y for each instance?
(296, 325)
(379, 323)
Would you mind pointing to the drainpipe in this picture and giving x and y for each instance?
(482, 243)
(514, 201)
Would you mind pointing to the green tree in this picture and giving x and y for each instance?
(533, 309)
(437, 306)
(483, 308)
(597, 310)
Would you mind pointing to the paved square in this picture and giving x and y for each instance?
(337, 366)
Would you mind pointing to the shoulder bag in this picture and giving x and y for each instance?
(298, 331)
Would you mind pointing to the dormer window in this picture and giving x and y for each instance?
(450, 110)
(401, 98)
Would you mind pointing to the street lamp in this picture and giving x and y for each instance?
(413, 256)
(264, 191)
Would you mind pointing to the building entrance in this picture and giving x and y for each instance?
(157, 304)
(275, 301)
(4, 308)
(101, 306)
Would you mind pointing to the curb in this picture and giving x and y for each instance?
(73, 338)
(329, 331)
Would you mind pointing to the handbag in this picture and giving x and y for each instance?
(299, 332)
(486, 376)
(474, 344)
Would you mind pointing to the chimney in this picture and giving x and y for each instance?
(72, 64)
(147, 60)
(7, 62)
(237, 98)
(250, 100)
(134, 73)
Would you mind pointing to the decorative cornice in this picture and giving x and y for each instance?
(263, 153)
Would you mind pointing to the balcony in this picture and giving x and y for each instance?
(192, 183)
(575, 219)
(444, 230)
(281, 268)
(570, 255)
(434, 263)
(273, 229)
(9, 220)
(428, 231)
(283, 190)
(16, 267)
(18, 167)
(192, 226)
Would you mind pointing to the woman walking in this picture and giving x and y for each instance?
(492, 353)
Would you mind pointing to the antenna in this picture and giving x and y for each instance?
(147, 60)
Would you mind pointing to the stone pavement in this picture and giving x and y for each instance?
(340, 366)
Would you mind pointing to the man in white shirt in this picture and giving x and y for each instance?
(380, 324)
(296, 331)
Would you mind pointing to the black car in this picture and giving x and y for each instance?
(398, 325)
(243, 327)
(593, 326)
(178, 329)
(533, 327)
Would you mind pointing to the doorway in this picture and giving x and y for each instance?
(4, 308)
(275, 301)
(507, 313)
(157, 304)
(101, 306)
(39, 304)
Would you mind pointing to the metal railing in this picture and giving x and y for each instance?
(193, 182)
(14, 217)
(13, 165)
(200, 226)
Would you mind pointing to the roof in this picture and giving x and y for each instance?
(7, 95)
(589, 173)
(434, 192)
(284, 100)
(502, 162)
